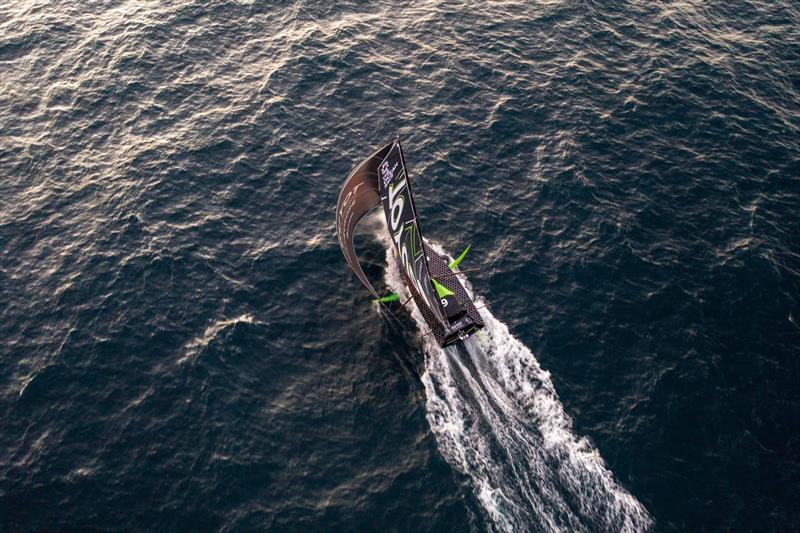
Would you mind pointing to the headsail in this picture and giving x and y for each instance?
(401, 218)
(359, 196)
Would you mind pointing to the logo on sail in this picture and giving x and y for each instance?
(387, 173)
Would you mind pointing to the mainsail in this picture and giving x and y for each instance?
(359, 196)
(401, 218)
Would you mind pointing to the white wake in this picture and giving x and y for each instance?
(498, 420)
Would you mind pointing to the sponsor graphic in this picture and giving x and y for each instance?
(400, 217)
(387, 173)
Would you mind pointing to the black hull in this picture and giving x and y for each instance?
(449, 334)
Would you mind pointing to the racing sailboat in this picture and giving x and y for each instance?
(382, 179)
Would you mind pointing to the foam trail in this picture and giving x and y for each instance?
(498, 420)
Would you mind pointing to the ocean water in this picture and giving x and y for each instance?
(183, 347)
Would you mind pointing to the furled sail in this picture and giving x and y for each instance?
(401, 218)
(359, 196)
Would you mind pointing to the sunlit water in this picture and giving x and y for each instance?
(182, 346)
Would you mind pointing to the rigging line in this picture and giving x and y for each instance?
(398, 320)
(395, 316)
(484, 305)
(459, 272)
(384, 306)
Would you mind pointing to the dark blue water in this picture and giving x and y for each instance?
(182, 345)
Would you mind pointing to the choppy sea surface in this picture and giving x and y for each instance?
(183, 347)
